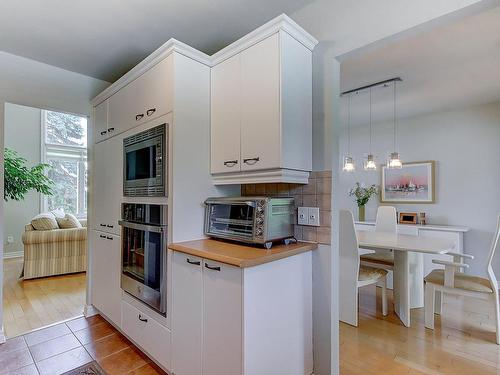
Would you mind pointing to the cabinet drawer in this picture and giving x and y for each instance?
(143, 99)
(146, 332)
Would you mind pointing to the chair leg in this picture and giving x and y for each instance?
(429, 305)
(497, 317)
(384, 296)
(438, 302)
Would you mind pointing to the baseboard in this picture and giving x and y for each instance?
(14, 254)
(90, 310)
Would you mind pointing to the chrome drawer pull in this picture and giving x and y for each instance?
(251, 161)
(104, 132)
(142, 319)
(212, 268)
(193, 262)
(230, 163)
(138, 117)
(111, 130)
(102, 236)
(149, 112)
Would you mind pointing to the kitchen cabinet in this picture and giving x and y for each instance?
(145, 98)
(106, 273)
(107, 185)
(149, 334)
(261, 120)
(229, 320)
(101, 130)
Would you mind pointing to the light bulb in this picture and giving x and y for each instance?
(394, 161)
(370, 164)
(348, 164)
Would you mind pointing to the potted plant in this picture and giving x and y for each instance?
(362, 195)
(19, 179)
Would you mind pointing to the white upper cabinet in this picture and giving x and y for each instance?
(101, 122)
(226, 116)
(145, 98)
(261, 128)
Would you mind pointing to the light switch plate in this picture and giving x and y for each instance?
(313, 214)
(302, 215)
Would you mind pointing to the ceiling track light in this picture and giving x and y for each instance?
(348, 160)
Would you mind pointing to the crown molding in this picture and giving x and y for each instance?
(280, 23)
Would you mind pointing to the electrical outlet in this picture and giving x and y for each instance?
(302, 216)
(313, 216)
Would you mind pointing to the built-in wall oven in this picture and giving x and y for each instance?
(145, 163)
(144, 255)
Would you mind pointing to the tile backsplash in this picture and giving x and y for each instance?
(317, 193)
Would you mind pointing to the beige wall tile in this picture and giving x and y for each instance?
(324, 186)
(260, 189)
(298, 232)
(284, 190)
(310, 234)
(324, 235)
(298, 200)
(271, 189)
(310, 188)
(324, 201)
(325, 218)
(250, 189)
(309, 200)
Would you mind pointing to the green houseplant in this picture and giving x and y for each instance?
(362, 195)
(20, 179)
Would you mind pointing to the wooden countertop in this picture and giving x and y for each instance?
(240, 255)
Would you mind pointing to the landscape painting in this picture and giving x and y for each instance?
(413, 183)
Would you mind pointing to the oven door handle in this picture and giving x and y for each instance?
(144, 227)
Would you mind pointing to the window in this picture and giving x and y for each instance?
(64, 148)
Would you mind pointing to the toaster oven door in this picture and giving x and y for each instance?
(231, 220)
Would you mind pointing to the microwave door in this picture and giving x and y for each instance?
(141, 162)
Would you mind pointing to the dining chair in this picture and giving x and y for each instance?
(352, 274)
(451, 281)
(385, 222)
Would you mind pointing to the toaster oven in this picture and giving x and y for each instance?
(256, 220)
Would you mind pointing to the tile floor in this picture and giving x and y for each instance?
(65, 346)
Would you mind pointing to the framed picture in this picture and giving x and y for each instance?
(414, 183)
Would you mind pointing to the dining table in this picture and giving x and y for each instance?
(408, 278)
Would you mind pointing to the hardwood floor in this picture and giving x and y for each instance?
(463, 341)
(66, 346)
(36, 303)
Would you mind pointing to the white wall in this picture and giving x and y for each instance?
(34, 84)
(465, 144)
(21, 121)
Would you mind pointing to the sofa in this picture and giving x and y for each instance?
(54, 252)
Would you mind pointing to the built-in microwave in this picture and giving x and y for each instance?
(145, 163)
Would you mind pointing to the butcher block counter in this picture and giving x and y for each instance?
(240, 255)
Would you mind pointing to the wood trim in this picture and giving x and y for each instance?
(240, 255)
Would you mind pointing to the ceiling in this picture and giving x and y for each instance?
(105, 38)
(450, 66)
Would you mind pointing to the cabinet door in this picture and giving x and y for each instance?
(222, 319)
(187, 314)
(101, 122)
(226, 116)
(106, 273)
(260, 106)
(108, 183)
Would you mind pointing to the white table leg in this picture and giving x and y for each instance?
(402, 286)
(416, 261)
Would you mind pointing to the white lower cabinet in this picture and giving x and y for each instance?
(253, 321)
(150, 335)
(106, 274)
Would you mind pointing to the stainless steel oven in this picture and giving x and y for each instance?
(258, 220)
(144, 253)
(145, 163)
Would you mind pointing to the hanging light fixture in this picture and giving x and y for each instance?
(370, 164)
(394, 161)
(348, 160)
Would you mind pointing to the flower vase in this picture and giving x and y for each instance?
(361, 213)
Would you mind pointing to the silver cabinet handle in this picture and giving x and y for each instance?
(145, 320)
(102, 225)
(111, 130)
(139, 116)
(104, 132)
(149, 112)
(212, 268)
(102, 236)
(251, 161)
(230, 163)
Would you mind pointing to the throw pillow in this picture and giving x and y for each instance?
(68, 221)
(58, 213)
(44, 221)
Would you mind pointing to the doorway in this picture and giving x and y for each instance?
(45, 209)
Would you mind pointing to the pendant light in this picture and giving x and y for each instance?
(370, 164)
(394, 161)
(348, 160)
